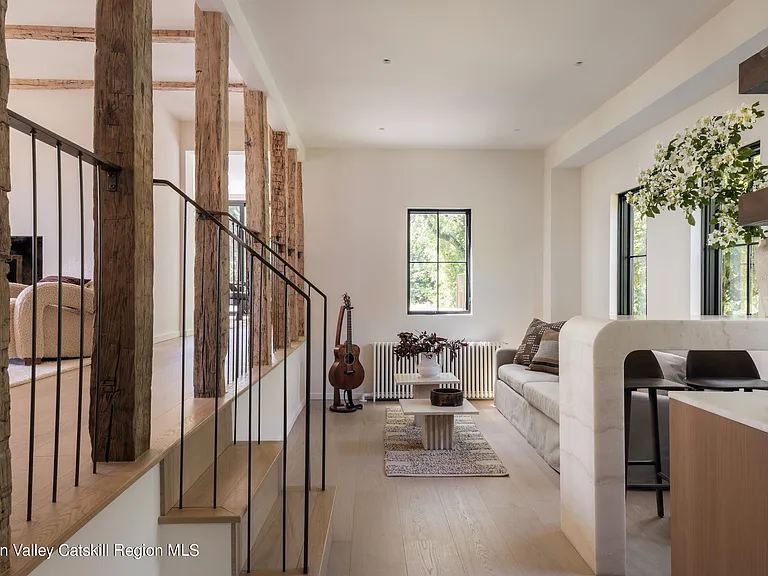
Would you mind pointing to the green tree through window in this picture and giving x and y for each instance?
(438, 261)
(632, 260)
(728, 276)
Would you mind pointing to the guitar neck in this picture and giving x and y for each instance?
(349, 330)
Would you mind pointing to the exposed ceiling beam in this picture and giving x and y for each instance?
(70, 34)
(753, 74)
(56, 84)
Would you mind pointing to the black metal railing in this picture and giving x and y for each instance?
(253, 239)
(63, 148)
(249, 263)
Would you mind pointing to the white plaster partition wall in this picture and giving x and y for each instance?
(592, 353)
(272, 399)
(130, 519)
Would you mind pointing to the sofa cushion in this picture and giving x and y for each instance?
(515, 376)
(530, 344)
(544, 396)
(547, 358)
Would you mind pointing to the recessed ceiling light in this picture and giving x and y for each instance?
(381, 129)
(386, 61)
(517, 129)
(579, 63)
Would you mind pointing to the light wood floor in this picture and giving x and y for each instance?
(461, 526)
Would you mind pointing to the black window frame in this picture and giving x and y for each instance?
(625, 229)
(467, 212)
(711, 263)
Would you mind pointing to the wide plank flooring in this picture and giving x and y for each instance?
(460, 526)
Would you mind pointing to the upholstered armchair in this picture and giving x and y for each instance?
(47, 321)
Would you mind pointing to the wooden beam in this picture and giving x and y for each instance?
(57, 84)
(290, 238)
(121, 392)
(278, 215)
(257, 213)
(302, 328)
(753, 74)
(211, 190)
(73, 34)
(5, 251)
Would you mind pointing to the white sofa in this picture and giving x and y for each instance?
(531, 402)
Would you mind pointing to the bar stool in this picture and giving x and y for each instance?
(726, 370)
(642, 372)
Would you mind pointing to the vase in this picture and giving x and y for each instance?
(761, 273)
(428, 366)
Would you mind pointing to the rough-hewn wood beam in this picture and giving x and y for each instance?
(302, 328)
(5, 250)
(290, 237)
(121, 389)
(211, 191)
(72, 34)
(57, 84)
(257, 213)
(278, 214)
(753, 74)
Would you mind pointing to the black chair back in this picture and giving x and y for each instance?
(720, 364)
(642, 364)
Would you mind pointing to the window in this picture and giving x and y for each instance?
(728, 286)
(439, 261)
(632, 283)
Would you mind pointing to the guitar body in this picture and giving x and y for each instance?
(346, 372)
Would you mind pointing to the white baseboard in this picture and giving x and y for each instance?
(190, 331)
(167, 336)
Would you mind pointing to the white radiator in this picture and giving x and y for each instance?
(474, 366)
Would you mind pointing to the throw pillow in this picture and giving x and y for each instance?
(64, 280)
(530, 344)
(547, 358)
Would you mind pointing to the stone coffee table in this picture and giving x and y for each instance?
(423, 386)
(437, 429)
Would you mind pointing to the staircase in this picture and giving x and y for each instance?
(249, 505)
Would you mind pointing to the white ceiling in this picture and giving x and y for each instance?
(481, 74)
(74, 60)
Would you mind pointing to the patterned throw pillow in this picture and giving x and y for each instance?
(530, 344)
(547, 358)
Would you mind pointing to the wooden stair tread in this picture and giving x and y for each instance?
(232, 488)
(266, 555)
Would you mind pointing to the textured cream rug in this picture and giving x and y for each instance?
(405, 456)
(20, 374)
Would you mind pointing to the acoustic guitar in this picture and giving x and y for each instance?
(346, 372)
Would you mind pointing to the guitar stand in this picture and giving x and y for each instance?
(348, 406)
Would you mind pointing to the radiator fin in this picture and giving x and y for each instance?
(474, 366)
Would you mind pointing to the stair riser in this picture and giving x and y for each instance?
(262, 503)
(198, 457)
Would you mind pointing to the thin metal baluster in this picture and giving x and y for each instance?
(33, 384)
(99, 267)
(322, 379)
(59, 318)
(234, 357)
(307, 462)
(261, 333)
(183, 350)
(285, 410)
(250, 412)
(218, 360)
(82, 323)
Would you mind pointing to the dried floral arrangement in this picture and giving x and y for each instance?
(414, 344)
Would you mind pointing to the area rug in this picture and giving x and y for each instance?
(20, 374)
(405, 456)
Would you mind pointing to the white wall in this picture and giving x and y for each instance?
(356, 203)
(70, 114)
(672, 286)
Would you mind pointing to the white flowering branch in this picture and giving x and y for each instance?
(706, 165)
